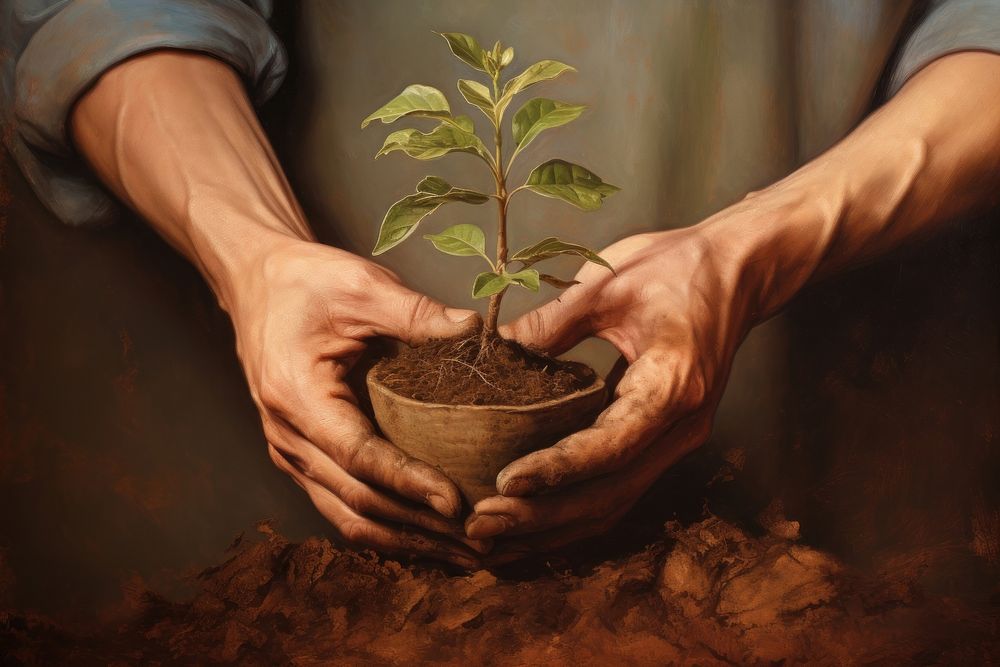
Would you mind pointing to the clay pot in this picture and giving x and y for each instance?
(472, 443)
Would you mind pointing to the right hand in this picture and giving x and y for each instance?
(301, 315)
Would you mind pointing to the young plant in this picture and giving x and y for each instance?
(455, 133)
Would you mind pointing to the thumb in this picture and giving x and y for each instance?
(555, 327)
(416, 318)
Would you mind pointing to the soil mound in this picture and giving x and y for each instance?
(708, 593)
(459, 371)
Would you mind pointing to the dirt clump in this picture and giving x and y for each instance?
(459, 371)
(706, 593)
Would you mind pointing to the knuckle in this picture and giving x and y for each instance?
(275, 389)
(361, 277)
(276, 457)
(349, 452)
(357, 498)
(656, 384)
(400, 463)
(537, 323)
(271, 432)
(360, 454)
(651, 292)
(282, 267)
(697, 389)
(355, 531)
(398, 466)
(308, 468)
(560, 462)
(420, 543)
(418, 307)
(287, 460)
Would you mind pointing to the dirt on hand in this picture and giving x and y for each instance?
(459, 371)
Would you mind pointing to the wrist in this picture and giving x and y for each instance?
(774, 240)
(838, 210)
(230, 248)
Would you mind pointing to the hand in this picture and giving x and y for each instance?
(301, 318)
(174, 135)
(685, 299)
(677, 310)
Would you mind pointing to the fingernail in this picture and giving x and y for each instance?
(458, 316)
(488, 525)
(516, 486)
(442, 506)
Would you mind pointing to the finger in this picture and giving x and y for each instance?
(337, 427)
(597, 500)
(364, 532)
(501, 515)
(615, 375)
(517, 548)
(368, 502)
(554, 327)
(415, 318)
(657, 390)
(293, 450)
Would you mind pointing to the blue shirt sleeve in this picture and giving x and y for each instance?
(52, 51)
(949, 26)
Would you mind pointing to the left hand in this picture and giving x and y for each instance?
(677, 311)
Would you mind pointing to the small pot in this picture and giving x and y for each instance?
(472, 443)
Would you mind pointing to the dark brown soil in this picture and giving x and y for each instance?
(459, 371)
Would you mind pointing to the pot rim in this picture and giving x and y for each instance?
(597, 386)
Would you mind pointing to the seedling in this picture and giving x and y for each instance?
(554, 178)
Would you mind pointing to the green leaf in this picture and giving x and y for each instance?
(542, 114)
(489, 283)
(557, 282)
(415, 100)
(551, 247)
(434, 186)
(467, 49)
(461, 240)
(402, 218)
(506, 57)
(571, 183)
(463, 123)
(540, 71)
(525, 278)
(477, 95)
(443, 139)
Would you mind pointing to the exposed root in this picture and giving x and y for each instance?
(474, 370)
(466, 371)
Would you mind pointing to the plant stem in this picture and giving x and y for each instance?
(493, 313)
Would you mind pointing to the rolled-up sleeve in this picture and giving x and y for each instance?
(949, 26)
(53, 52)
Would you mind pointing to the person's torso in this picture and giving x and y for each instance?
(690, 105)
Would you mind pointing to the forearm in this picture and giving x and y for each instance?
(929, 156)
(173, 135)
